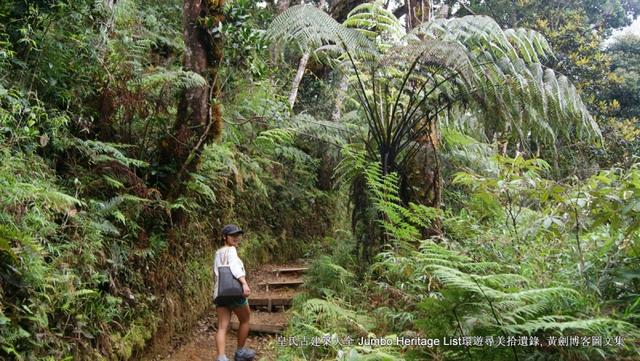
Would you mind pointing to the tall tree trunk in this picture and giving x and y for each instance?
(198, 121)
(342, 93)
(295, 85)
(419, 11)
(302, 66)
(422, 182)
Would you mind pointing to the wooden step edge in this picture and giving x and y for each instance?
(260, 328)
(281, 283)
(292, 269)
(270, 301)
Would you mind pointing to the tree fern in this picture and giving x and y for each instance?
(402, 224)
(331, 133)
(279, 141)
(329, 315)
(18, 193)
(352, 163)
(198, 184)
(485, 300)
(328, 280)
(445, 63)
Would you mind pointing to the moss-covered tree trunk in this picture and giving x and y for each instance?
(199, 118)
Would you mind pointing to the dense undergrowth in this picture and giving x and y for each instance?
(92, 266)
(523, 256)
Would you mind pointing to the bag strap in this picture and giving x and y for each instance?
(226, 257)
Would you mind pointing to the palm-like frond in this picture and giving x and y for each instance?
(310, 28)
(481, 33)
(325, 131)
(562, 324)
(374, 21)
(173, 80)
(442, 65)
(515, 91)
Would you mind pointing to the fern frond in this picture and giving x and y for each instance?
(561, 324)
(173, 80)
(374, 21)
(512, 86)
(310, 28)
(330, 315)
(98, 151)
(198, 184)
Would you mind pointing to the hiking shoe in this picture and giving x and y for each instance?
(244, 354)
(222, 358)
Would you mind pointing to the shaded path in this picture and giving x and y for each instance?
(268, 301)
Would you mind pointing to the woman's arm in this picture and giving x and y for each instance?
(238, 270)
(245, 286)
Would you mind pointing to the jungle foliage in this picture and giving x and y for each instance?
(94, 263)
(525, 256)
(487, 161)
(525, 248)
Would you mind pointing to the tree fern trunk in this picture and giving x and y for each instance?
(198, 121)
(422, 180)
(423, 171)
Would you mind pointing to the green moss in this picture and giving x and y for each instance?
(135, 339)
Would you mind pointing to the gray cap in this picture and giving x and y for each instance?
(231, 229)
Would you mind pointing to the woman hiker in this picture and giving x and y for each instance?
(231, 236)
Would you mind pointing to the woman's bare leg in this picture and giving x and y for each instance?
(244, 314)
(224, 316)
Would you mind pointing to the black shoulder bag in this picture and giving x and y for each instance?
(229, 287)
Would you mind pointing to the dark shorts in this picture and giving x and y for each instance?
(232, 303)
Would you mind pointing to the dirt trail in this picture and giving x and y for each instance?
(200, 345)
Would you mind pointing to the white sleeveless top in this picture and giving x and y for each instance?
(235, 264)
